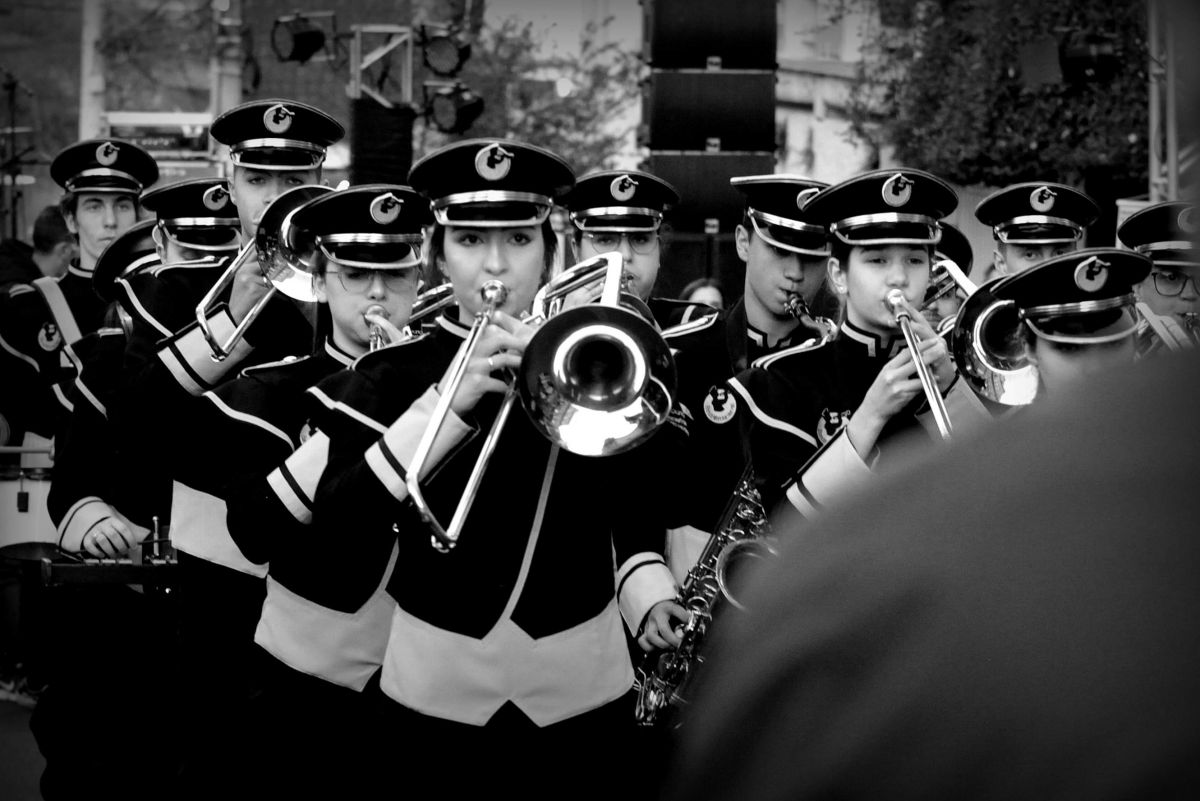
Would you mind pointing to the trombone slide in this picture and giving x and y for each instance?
(933, 395)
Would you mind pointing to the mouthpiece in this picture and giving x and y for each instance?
(895, 299)
(494, 293)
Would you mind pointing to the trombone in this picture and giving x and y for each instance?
(427, 304)
(988, 351)
(933, 395)
(276, 244)
(595, 380)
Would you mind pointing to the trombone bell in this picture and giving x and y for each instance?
(597, 380)
(989, 351)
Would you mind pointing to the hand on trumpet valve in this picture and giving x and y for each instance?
(663, 626)
(250, 285)
(500, 350)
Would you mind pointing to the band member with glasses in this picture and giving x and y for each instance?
(1033, 222)
(818, 416)
(102, 180)
(1077, 315)
(364, 245)
(1169, 299)
(506, 665)
(622, 211)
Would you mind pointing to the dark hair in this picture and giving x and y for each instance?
(436, 251)
(49, 229)
(701, 283)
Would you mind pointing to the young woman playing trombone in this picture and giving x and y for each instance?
(506, 664)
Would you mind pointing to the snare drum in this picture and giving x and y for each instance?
(23, 513)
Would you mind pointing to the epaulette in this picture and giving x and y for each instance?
(19, 289)
(807, 346)
(110, 331)
(692, 326)
(364, 360)
(682, 311)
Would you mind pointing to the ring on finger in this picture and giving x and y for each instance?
(491, 365)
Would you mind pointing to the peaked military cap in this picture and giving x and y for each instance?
(197, 214)
(374, 226)
(620, 201)
(276, 134)
(134, 250)
(885, 207)
(1084, 297)
(1166, 232)
(776, 204)
(104, 165)
(954, 246)
(1037, 213)
(491, 183)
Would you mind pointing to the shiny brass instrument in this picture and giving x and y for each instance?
(277, 247)
(795, 306)
(743, 534)
(595, 380)
(989, 351)
(1174, 332)
(933, 395)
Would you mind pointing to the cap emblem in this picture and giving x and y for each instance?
(1187, 220)
(215, 198)
(106, 154)
(1042, 199)
(720, 405)
(623, 188)
(804, 194)
(897, 190)
(385, 208)
(278, 118)
(493, 162)
(1092, 274)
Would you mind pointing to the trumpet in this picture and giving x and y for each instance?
(277, 246)
(595, 380)
(933, 395)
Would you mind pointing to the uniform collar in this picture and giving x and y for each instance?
(337, 354)
(759, 338)
(450, 322)
(74, 269)
(874, 344)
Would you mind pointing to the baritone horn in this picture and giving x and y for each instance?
(596, 380)
(276, 245)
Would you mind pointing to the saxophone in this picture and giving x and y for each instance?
(824, 328)
(662, 676)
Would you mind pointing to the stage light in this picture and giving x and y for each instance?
(298, 37)
(452, 108)
(444, 50)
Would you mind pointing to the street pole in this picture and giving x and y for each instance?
(91, 70)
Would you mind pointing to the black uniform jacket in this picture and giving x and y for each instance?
(709, 350)
(93, 474)
(32, 336)
(528, 595)
(792, 407)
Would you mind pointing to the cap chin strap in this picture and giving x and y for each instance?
(104, 172)
(1031, 316)
(162, 231)
(415, 258)
(1081, 339)
(1003, 233)
(842, 228)
(541, 203)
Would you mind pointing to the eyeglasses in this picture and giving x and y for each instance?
(642, 242)
(1171, 283)
(359, 281)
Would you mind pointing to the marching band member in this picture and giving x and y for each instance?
(366, 252)
(506, 661)
(942, 301)
(1077, 313)
(1033, 222)
(98, 508)
(622, 211)
(102, 180)
(785, 251)
(819, 414)
(1166, 232)
(274, 145)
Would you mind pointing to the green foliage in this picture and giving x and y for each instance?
(949, 95)
(521, 101)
